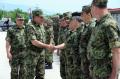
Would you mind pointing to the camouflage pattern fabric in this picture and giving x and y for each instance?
(62, 38)
(35, 60)
(49, 40)
(85, 36)
(73, 70)
(104, 37)
(16, 38)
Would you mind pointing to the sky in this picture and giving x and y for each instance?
(51, 6)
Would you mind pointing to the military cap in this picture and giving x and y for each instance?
(86, 8)
(37, 12)
(67, 15)
(99, 2)
(76, 14)
(60, 16)
(19, 16)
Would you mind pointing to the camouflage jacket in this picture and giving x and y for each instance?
(16, 38)
(62, 35)
(104, 37)
(49, 34)
(35, 32)
(85, 36)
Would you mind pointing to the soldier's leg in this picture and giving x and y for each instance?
(85, 67)
(22, 71)
(40, 68)
(62, 65)
(14, 67)
(31, 62)
(70, 67)
(48, 59)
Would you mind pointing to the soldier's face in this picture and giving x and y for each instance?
(20, 22)
(38, 19)
(63, 23)
(73, 24)
(93, 11)
(84, 16)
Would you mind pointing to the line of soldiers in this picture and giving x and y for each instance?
(89, 48)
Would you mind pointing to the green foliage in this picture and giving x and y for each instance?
(12, 14)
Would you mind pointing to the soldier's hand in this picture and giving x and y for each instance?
(9, 56)
(56, 47)
(50, 47)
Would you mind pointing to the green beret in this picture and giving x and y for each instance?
(37, 12)
(99, 2)
(86, 8)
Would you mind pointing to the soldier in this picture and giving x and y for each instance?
(63, 23)
(103, 48)
(85, 36)
(15, 47)
(55, 28)
(49, 40)
(35, 44)
(72, 48)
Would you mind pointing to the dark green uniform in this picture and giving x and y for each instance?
(62, 38)
(73, 70)
(35, 59)
(85, 36)
(105, 36)
(56, 28)
(16, 38)
(49, 40)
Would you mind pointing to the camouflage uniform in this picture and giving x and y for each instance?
(62, 38)
(73, 70)
(49, 40)
(85, 36)
(35, 60)
(104, 37)
(55, 28)
(16, 38)
(63, 30)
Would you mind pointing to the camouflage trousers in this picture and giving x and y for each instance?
(17, 65)
(35, 65)
(63, 64)
(48, 56)
(85, 66)
(73, 69)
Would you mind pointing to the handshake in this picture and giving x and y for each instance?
(53, 47)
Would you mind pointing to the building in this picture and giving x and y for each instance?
(116, 14)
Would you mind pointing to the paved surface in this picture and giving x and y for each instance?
(5, 68)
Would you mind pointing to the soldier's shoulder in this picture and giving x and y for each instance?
(111, 23)
(30, 26)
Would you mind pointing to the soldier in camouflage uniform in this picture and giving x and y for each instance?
(72, 49)
(49, 40)
(72, 44)
(55, 28)
(35, 44)
(85, 36)
(63, 23)
(15, 47)
(103, 48)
